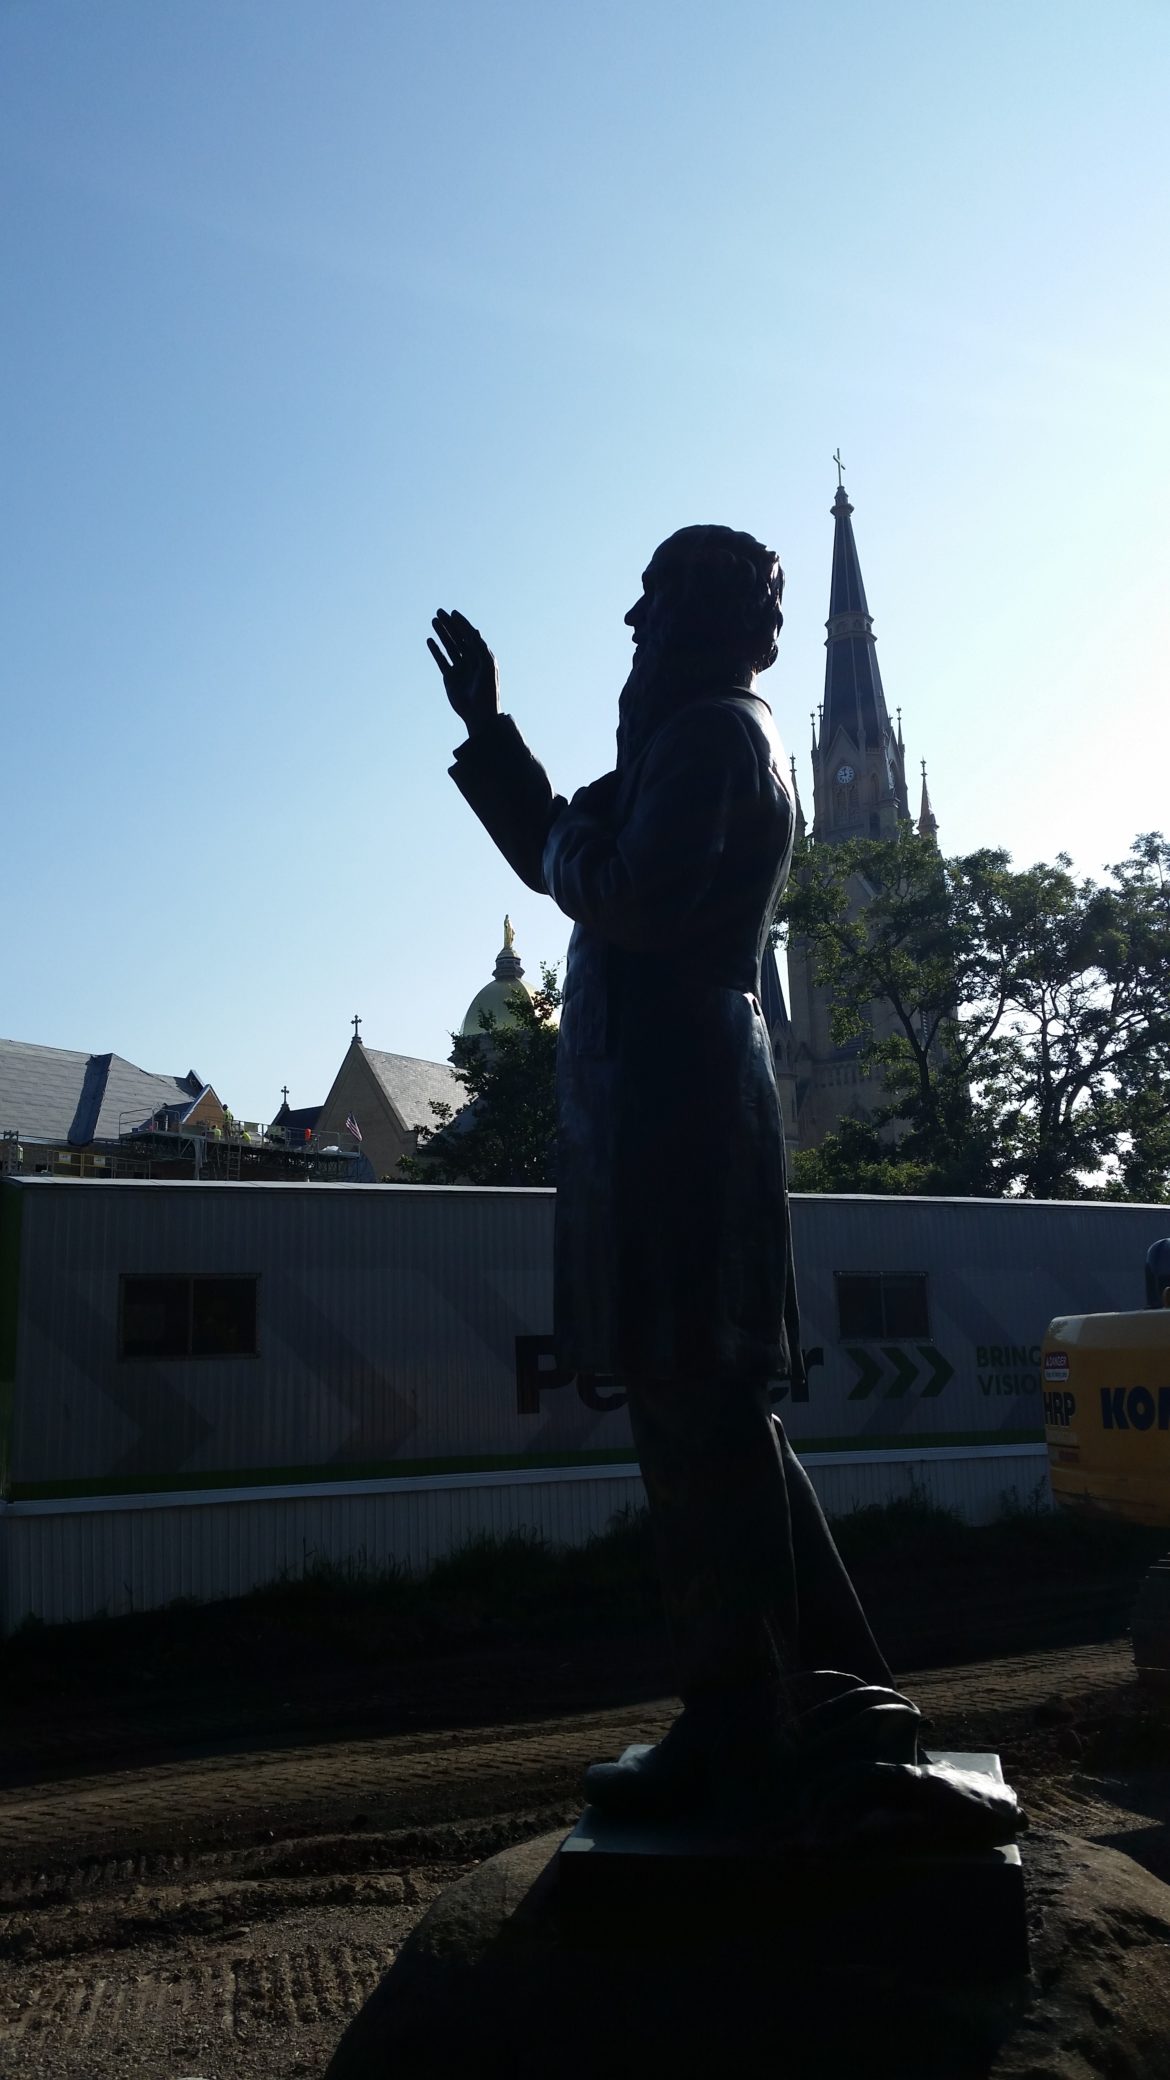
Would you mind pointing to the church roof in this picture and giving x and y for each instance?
(297, 1120)
(61, 1094)
(853, 683)
(412, 1084)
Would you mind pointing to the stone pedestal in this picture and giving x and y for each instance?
(960, 1914)
(495, 1985)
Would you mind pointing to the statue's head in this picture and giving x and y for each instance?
(712, 593)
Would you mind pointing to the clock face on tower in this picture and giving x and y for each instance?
(844, 775)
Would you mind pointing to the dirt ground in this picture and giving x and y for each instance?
(219, 1914)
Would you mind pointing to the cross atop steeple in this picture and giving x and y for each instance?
(840, 468)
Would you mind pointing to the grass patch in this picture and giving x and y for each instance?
(909, 1524)
(911, 1561)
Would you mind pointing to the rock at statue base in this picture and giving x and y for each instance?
(492, 1986)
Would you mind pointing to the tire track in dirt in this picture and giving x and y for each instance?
(121, 1819)
(1018, 1683)
(157, 2020)
(223, 1918)
(176, 1807)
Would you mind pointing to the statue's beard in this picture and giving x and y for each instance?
(662, 678)
(642, 701)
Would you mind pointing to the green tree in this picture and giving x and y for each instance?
(506, 1131)
(859, 1156)
(1025, 1039)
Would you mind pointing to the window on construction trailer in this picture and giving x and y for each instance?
(189, 1315)
(882, 1306)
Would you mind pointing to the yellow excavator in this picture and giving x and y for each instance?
(1106, 1381)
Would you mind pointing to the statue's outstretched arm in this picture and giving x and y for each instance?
(494, 770)
(511, 794)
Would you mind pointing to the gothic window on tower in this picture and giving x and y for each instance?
(883, 1305)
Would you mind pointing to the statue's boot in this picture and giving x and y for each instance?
(866, 1723)
(897, 1809)
(857, 1784)
(762, 1779)
(661, 1782)
(722, 1750)
(745, 1755)
(760, 1772)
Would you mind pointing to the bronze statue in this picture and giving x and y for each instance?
(673, 1255)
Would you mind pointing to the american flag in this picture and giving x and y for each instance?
(352, 1127)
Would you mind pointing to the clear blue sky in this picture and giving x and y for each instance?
(321, 313)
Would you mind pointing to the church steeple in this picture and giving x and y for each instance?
(853, 682)
(859, 793)
(858, 758)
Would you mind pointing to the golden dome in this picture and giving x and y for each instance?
(507, 977)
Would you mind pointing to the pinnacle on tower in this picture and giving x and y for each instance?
(927, 823)
(800, 822)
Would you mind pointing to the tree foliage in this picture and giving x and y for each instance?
(1024, 1035)
(506, 1131)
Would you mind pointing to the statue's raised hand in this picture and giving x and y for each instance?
(469, 670)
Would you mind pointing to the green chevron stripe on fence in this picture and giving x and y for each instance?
(900, 1371)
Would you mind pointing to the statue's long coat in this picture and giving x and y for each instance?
(672, 1241)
